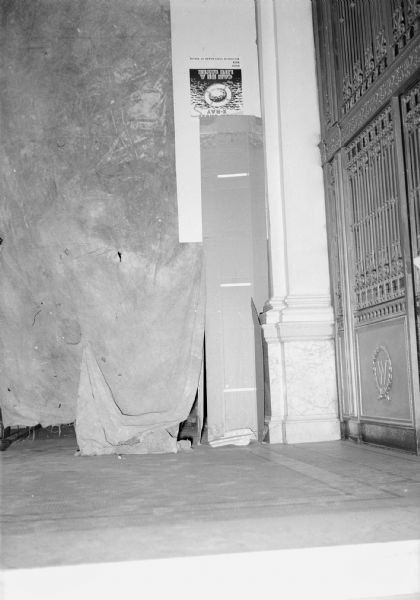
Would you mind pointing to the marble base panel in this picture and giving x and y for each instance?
(311, 430)
(303, 386)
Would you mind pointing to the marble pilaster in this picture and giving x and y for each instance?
(298, 321)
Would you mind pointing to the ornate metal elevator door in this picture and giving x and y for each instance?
(379, 280)
(410, 105)
(368, 59)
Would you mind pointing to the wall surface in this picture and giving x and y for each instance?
(90, 257)
(206, 35)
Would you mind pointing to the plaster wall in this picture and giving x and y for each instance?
(204, 35)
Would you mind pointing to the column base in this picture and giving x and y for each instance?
(303, 431)
(301, 377)
(311, 430)
(274, 431)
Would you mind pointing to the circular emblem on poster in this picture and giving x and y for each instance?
(382, 372)
(218, 94)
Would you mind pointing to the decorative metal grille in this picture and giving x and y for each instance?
(372, 172)
(410, 104)
(370, 34)
(411, 120)
(368, 61)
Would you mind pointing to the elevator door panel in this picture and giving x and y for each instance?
(384, 372)
(378, 273)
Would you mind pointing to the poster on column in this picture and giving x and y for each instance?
(215, 87)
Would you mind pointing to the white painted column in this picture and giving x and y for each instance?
(299, 319)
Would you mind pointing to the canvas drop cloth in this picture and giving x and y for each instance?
(101, 309)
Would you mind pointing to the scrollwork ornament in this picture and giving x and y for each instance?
(347, 89)
(332, 141)
(357, 77)
(381, 45)
(413, 11)
(382, 94)
(369, 62)
(382, 372)
(398, 24)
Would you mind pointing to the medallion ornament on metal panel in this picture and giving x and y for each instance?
(382, 372)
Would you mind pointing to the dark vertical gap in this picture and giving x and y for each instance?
(203, 432)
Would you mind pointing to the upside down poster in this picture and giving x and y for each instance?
(216, 91)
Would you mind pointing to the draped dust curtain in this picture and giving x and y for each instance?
(101, 309)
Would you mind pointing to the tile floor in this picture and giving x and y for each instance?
(61, 510)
